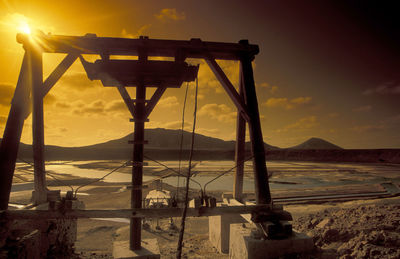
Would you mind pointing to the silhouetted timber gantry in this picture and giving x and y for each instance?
(140, 73)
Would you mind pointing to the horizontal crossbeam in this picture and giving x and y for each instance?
(194, 48)
(140, 213)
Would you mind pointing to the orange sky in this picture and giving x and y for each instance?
(321, 72)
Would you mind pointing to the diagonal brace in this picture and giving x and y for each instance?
(154, 99)
(127, 99)
(58, 72)
(229, 88)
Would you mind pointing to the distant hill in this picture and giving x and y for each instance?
(316, 143)
(164, 145)
(160, 138)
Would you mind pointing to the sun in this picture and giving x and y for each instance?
(24, 27)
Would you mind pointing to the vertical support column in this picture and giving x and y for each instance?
(239, 148)
(263, 194)
(12, 132)
(40, 194)
(137, 168)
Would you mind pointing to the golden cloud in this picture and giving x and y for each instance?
(286, 103)
(139, 32)
(170, 14)
(168, 102)
(365, 108)
(220, 112)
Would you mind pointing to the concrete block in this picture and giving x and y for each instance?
(219, 229)
(149, 250)
(243, 245)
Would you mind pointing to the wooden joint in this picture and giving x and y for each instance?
(140, 101)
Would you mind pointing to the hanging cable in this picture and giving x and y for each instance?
(126, 163)
(181, 143)
(182, 231)
(49, 174)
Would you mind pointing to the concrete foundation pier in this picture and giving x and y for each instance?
(219, 230)
(149, 250)
(244, 244)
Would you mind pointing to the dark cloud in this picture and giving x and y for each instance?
(392, 87)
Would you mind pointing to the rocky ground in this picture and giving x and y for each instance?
(358, 231)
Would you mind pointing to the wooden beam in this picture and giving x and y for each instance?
(36, 62)
(263, 194)
(194, 48)
(58, 72)
(138, 212)
(12, 132)
(154, 100)
(127, 99)
(239, 147)
(229, 88)
(137, 168)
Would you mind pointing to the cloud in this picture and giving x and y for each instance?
(116, 105)
(271, 88)
(94, 108)
(302, 124)
(365, 108)
(6, 93)
(333, 114)
(367, 128)
(168, 102)
(177, 125)
(78, 81)
(138, 33)
(170, 14)
(220, 112)
(286, 103)
(63, 105)
(392, 87)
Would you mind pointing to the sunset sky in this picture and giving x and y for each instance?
(325, 69)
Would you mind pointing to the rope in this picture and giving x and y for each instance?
(223, 173)
(171, 169)
(181, 144)
(183, 220)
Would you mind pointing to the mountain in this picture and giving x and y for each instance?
(160, 138)
(316, 143)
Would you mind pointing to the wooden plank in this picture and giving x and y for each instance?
(12, 132)
(229, 88)
(154, 100)
(40, 195)
(239, 148)
(135, 213)
(58, 72)
(194, 48)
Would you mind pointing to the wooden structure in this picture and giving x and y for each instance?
(31, 89)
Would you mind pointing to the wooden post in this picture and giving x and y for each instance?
(12, 132)
(137, 168)
(239, 148)
(263, 195)
(40, 194)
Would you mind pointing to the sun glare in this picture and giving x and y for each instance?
(24, 27)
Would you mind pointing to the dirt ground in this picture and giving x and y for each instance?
(356, 229)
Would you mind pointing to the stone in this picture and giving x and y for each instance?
(149, 250)
(242, 245)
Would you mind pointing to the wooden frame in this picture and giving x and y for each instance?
(31, 80)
